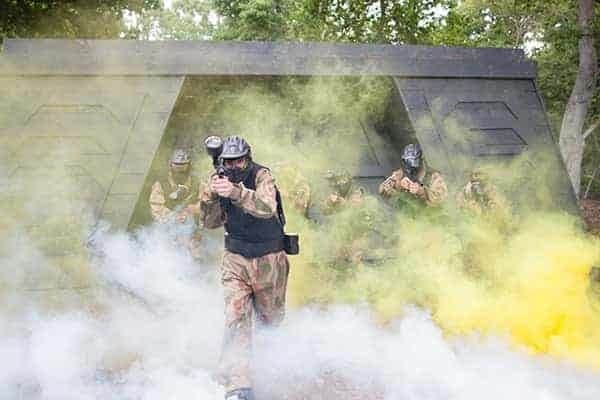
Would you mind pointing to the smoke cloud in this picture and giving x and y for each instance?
(383, 304)
(156, 334)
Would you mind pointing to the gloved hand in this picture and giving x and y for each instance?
(387, 187)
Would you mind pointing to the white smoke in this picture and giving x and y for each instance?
(153, 326)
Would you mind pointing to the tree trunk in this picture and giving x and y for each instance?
(571, 139)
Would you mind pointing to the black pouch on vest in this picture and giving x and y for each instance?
(290, 244)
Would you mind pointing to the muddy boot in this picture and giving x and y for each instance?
(240, 394)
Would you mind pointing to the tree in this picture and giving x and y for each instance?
(70, 19)
(252, 19)
(572, 136)
(502, 23)
(551, 25)
(183, 20)
(361, 21)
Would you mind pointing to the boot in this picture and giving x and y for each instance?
(240, 394)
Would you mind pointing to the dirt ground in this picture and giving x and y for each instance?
(590, 209)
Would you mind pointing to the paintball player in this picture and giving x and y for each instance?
(298, 192)
(480, 196)
(355, 223)
(343, 192)
(415, 180)
(172, 195)
(481, 201)
(255, 268)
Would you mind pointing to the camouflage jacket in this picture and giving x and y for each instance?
(161, 206)
(435, 187)
(297, 193)
(489, 200)
(335, 201)
(260, 203)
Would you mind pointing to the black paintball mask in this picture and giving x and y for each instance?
(235, 148)
(412, 159)
(237, 174)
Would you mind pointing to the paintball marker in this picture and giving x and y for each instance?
(179, 193)
(214, 147)
(411, 173)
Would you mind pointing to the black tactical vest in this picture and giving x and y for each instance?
(247, 235)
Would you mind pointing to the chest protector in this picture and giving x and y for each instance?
(247, 235)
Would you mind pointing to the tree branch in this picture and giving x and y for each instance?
(591, 129)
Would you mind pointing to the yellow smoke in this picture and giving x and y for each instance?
(524, 277)
(530, 283)
(540, 297)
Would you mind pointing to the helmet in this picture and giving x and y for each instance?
(180, 156)
(412, 155)
(341, 181)
(234, 147)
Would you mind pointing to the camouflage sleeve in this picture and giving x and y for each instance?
(160, 212)
(392, 184)
(260, 203)
(436, 191)
(211, 214)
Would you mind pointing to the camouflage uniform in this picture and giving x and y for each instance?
(479, 196)
(435, 191)
(164, 209)
(351, 251)
(297, 190)
(252, 286)
(343, 192)
(482, 202)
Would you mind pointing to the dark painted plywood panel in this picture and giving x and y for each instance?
(73, 152)
(129, 57)
(478, 122)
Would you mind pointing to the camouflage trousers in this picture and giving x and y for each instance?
(254, 290)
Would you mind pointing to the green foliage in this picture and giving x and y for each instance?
(251, 20)
(520, 24)
(482, 23)
(184, 20)
(67, 19)
(363, 21)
